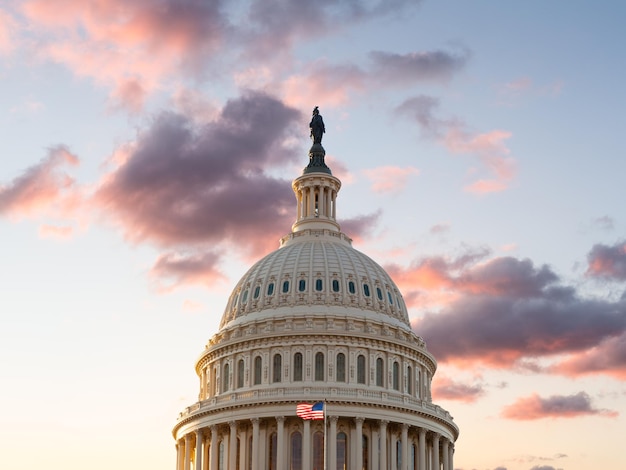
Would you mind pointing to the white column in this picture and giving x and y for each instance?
(232, 446)
(329, 206)
(422, 449)
(359, 443)
(179, 454)
(332, 444)
(214, 449)
(451, 456)
(255, 444)
(311, 201)
(280, 442)
(299, 200)
(444, 453)
(199, 450)
(393, 451)
(243, 449)
(321, 202)
(436, 452)
(334, 198)
(405, 446)
(383, 444)
(187, 451)
(306, 445)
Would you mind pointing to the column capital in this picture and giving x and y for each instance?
(280, 419)
(232, 424)
(359, 420)
(405, 426)
(333, 419)
(255, 421)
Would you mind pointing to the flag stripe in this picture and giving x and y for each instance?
(308, 411)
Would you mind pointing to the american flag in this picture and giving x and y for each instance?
(308, 411)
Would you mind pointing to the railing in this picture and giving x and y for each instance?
(359, 395)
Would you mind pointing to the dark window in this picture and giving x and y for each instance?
(379, 372)
(335, 285)
(351, 287)
(360, 369)
(225, 374)
(273, 453)
(318, 450)
(318, 285)
(278, 364)
(244, 299)
(297, 367)
(409, 380)
(285, 287)
(257, 291)
(270, 289)
(389, 297)
(379, 293)
(396, 376)
(258, 363)
(296, 451)
(366, 290)
(319, 366)
(342, 451)
(240, 373)
(341, 367)
(301, 285)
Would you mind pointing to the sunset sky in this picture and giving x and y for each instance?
(148, 148)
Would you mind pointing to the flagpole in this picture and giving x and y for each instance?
(325, 413)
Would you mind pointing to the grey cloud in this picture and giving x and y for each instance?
(608, 261)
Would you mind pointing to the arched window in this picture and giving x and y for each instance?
(389, 297)
(318, 285)
(225, 377)
(335, 285)
(240, 373)
(396, 375)
(360, 369)
(285, 287)
(318, 450)
(301, 285)
(258, 365)
(244, 298)
(296, 451)
(277, 366)
(319, 366)
(379, 372)
(341, 367)
(297, 367)
(272, 453)
(409, 380)
(257, 292)
(342, 451)
(270, 289)
(351, 287)
(398, 454)
(379, 293)
(366, 290)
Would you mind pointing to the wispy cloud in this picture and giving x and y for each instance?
(444, 388)
(45, 188)
(488, 147)
(390, 179)
(607, 261)
(557, 406)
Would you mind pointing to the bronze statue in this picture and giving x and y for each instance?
(317, 126)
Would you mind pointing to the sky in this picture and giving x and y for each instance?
(148, 149)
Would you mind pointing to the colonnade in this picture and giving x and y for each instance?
(316, 201)
(247, 445)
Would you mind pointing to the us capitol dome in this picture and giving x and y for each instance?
(319, 324)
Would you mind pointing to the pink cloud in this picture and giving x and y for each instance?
(390, 179)
(8, 31)
(557, 406)
(607, 262)
(43, 188)
(173, 270)
(444, 388)
(129, 94)
(606, 358)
